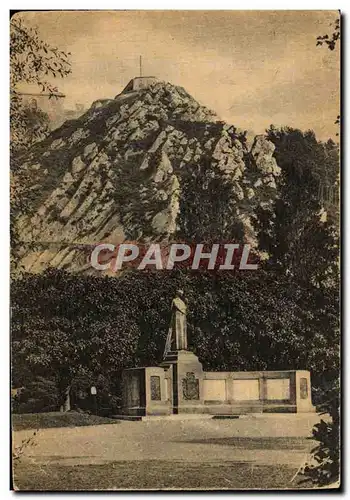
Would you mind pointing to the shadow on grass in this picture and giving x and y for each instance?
(257, 443)
(22, 421)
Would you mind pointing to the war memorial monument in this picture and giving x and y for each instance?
(179, 384)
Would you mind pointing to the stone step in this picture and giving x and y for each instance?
(171, 357)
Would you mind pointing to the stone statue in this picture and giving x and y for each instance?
(177, 334)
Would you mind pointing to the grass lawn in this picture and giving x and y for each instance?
(56, 419)
(246, 453)
(153, 474)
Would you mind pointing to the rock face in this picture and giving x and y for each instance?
(117, 174)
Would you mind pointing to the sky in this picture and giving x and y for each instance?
(253, 68)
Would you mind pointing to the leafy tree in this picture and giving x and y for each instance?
(32, 61)
(303, 237)
(303, 242)
(35, 124)
(208, 210)
(331, 43)
(58, 334)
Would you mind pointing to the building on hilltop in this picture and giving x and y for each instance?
(52, 104)
(139, 83)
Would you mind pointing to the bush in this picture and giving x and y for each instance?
(40, 395)
(325, 467)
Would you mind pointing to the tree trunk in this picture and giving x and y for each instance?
(66, 404)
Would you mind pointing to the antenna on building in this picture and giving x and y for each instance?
(140, 65)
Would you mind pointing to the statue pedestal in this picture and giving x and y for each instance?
(187, 381)
(180, 386)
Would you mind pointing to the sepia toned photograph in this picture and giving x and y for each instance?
(175, 250)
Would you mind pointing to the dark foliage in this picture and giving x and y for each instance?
(330, 40)
(324, 468)
(68, 327)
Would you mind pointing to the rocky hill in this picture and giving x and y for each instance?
(136, 168)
